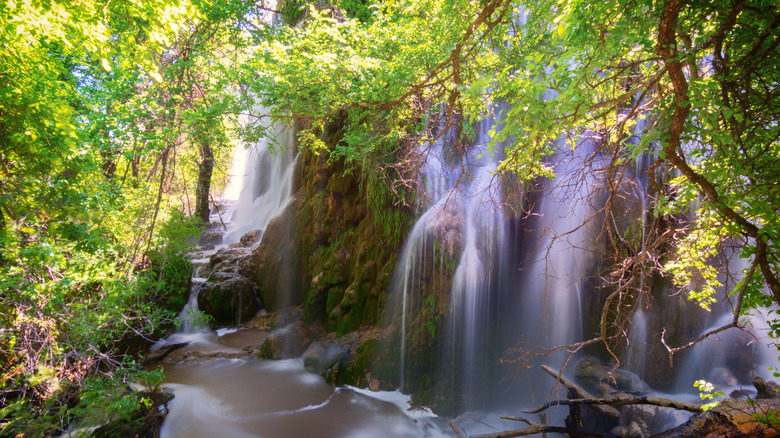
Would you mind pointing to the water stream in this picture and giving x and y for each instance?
(218, 392)
(499, 278)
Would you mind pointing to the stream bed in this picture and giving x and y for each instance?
(220, 395)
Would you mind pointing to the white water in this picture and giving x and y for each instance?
(461, 221)
(266, 183)
(260, 398)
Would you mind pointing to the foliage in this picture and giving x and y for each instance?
(105, 108)
(707, 392)
(690, 86)
(770, 419)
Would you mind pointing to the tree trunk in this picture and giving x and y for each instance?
(205, 170)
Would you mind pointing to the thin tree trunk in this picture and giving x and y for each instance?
(205, 170)
(164, 160)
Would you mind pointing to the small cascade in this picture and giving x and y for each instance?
(260, 187)
(638, 343)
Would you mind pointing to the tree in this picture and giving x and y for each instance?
(91, 124)
(696, 82)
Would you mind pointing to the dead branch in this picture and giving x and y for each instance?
(579, 392)
(618, 401)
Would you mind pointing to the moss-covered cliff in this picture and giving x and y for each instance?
(348, 231)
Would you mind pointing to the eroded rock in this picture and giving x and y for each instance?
(287, 342)
(230, 300)
(274, 264)
(251, 237)
(325, 358)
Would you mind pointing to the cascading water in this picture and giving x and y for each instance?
(448, 261)
(268, 184)
(219, 391)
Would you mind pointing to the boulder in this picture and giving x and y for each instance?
(251, 237)
(229, 300)
(325, 358)
(766, 390)
(210, 237)
(228, 259)
(596, 377)
(287, 342)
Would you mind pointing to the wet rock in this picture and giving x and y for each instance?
(229, 300)
(228, 259)
(286, 343)
(251, 237)
(274, 264)
(286, 316)
(639, 421)
(325, 358)
(591, 374)
(628, 431)
(766, 390)
(210, 237)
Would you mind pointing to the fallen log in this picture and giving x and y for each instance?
(732, 418)
(162, 353)
(655, 401)
(580, 393)
(535, 429)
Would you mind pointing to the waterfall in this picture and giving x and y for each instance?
(266, 183)
(448, 261)
(260, 187)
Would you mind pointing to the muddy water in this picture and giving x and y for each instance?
(263, 398)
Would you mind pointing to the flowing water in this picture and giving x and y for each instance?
(501, 278)
(219, 395)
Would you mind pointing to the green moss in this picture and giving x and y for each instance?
(266, 350)
(335, 295)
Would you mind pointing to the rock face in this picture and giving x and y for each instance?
(274, 264)
(229, 299)
(349, 232)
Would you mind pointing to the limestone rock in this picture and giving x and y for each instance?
(287, 342)
(230, 300)
(766, 390)
(325, 358)
(251, 237)
(210, 237)
(274, 264)
(591, 374)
